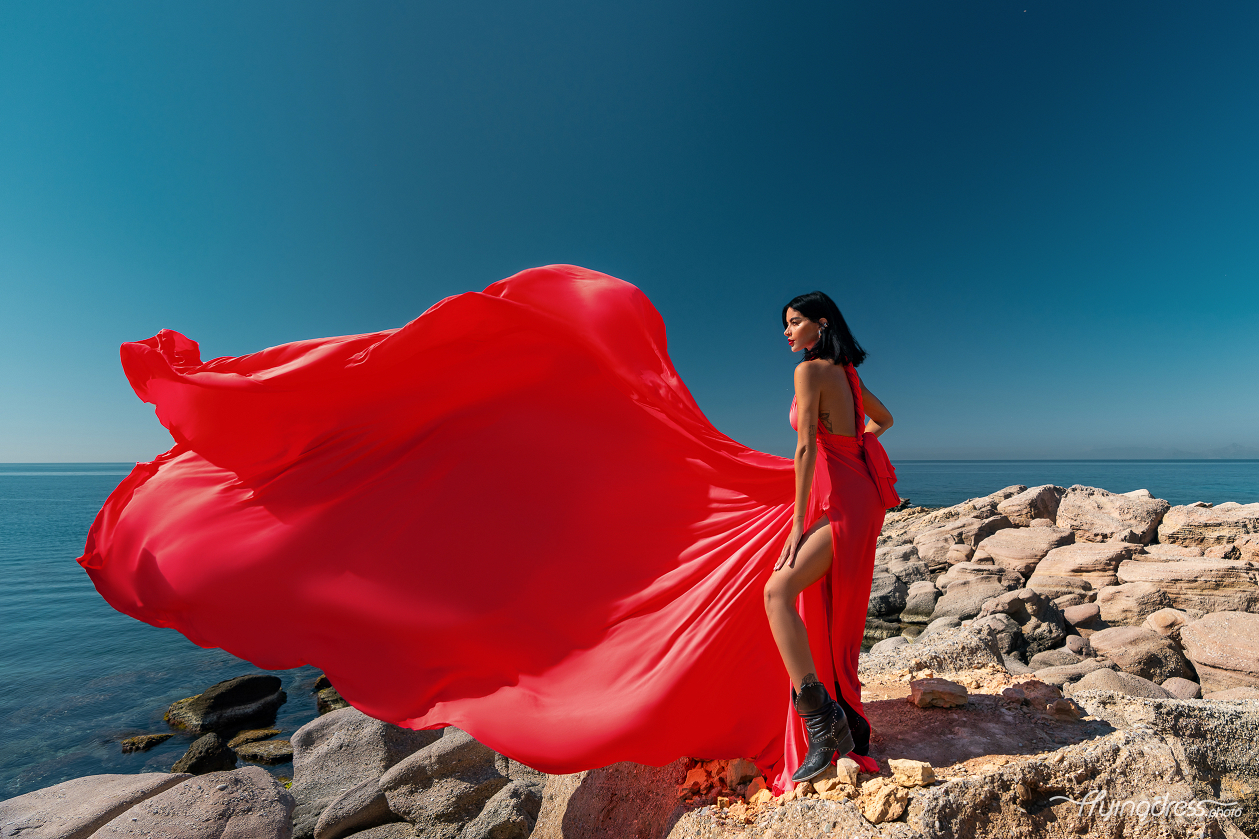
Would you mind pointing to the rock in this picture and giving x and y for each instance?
(1124, 683)
(1166, 622)
(901, 527)
(878, 629)
(615, 802)
(328, 700)
(1238, 694)
(1205, 527)
(887, 594)
(1064, 709)
(511, 813)
(1020, 549)
(1008, 634)
(1140, 652)
(920, 602)
(959, 553)
(739, 771)
(882, 800)
(236, 703)
(890, 554)
(241, 803)
(1053, 658)
(1224, 649)
(1063, 569)
(1065, 601)
(1209, 585)
(965, 598)
(77, 809)
(207, 753)
(937, 693)
(1086, 614)
(1161, 552)
(340, 750)
(1129, 604)
(1071, 672)
(946, 651)
(1097, 515)
(1015, 667)
(393, 830)
(974, 571)
(1079, 646)
(933, 545)
(1182, 688)
(1039, 620)
(912, 773)
(1036, 503)
(807, 819)
(1247, 548)
(909, 571)
(357, 809)
(939, 625)
(889, 644)
(252, 736)
(270, 752)
(445, 783)
(143, 742)
(321, 682)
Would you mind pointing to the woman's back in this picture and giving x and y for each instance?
(835, 400)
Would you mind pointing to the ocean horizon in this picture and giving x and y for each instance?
(81, 676)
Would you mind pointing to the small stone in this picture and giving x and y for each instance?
(206, 754)
(143, 742)
(933, 692)
(739, 771)
(329, 700)
(882, 800)
(1015, 695)
(251, 736)
(754, 787)
(761, 796)
(1064, 709)
(221, 787)
(847, 770)
(269, 752)
(912, 773)
(805, 788)
(722, 802)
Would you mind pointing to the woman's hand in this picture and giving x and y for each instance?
(791, 547)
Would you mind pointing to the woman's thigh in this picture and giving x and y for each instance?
(813, 560)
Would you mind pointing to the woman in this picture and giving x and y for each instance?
(830, 403)
(508, 515)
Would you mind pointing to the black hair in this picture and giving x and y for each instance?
(835, 343)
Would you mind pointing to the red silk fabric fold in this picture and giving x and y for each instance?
(508, 515)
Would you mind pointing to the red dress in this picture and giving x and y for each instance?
(508, 515)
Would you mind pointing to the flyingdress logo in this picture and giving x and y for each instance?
(1157, 807)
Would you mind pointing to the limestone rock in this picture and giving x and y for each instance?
(937, 693)
(615, 802)
(878, 629)
(887, 594)
(77, 809)
(328, 699)
(1166, 622)
(444, 783)
(974, 570)
(143, 742)
(1098, 516)
(933, 545)
(1238, 694)
(1007, 632)
(241, 803)
(1064, 709)
(1129, 604)
(1086, 614)
(1208, 585)
(938, 625)
(340, 750)
(965, 598)
(947, 651)
(1163, 553)
(959, 553)
(1053, 658)
(1141, 652)
(1248, 548)
(270, 752)
(358, 808)
(1039, 620)
(900, 527)
(912, 773)
(920, 602)
(1204, 527)
(882, 800)
(511, 813)
(1036, 503)
(1224, 648)
(889, 644)
(1062, 569)
(1020, 549)
(207, 753)
(1078, 645)
(1182, 688)
(1071, 672)
(252, 735)
(1124, 683)
(236, 703)
(896, 553)
(909, 571)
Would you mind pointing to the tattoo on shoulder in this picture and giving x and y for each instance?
(825, 419)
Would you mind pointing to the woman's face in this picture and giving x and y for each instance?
(801, 332)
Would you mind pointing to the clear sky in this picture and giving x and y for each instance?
(1041, 219)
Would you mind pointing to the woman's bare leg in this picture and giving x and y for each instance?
(813, 560)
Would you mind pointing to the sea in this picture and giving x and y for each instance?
(76, 677)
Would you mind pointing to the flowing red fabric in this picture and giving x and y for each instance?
(509, 515)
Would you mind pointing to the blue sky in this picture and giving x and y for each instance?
(1041, 219)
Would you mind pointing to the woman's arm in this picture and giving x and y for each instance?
(880, 417)
(808, 389)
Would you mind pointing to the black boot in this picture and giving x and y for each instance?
(827, 728)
